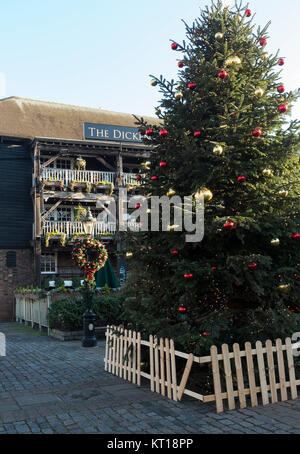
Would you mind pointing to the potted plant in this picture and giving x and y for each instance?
(80, 163)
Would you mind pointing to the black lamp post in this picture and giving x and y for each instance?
(89, 317)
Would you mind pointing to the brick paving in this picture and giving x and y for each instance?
(53, 387)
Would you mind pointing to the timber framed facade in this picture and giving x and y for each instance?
(44, 193)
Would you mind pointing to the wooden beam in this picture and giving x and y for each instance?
(50, 161)
(105, 163)
(50, 210)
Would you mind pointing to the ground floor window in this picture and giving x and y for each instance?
(49, 264)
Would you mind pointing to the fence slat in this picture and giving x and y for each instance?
(125, 353)
(251, 375)
(272, 376)
(262, 373)
(110, 349)
(239, 375)
(162, 366)
(228, 376)
(106, 348)
(173, 369)
(151, 363)
(134, 358)
(216, 378)
(129, 356)
(121, 354)
(281, 370)
(114, 352)
(291, 367)
(185, 376)
(139, 359)
(168, 368)
(156, 365)
(118, 351)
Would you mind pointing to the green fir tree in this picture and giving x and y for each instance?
(224, 128)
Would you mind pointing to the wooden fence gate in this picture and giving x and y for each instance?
(254, 372)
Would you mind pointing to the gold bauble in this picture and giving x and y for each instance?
(283, 193)
(284, 288)
(264, 56)
(275, 242)
(153, 82)
(171, 192)
(267, 172)
(206, 193)
(218, 150)
(219, 36)
(178, 96)
(157, 112)
(259, 92)
(129, 255)
(233, 61)
(236, 60)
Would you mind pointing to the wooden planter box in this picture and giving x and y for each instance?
(53, 184)
(75, 335)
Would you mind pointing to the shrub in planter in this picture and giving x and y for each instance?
(108, 309)
(66, 314)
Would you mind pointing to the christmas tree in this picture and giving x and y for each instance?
(225, 135)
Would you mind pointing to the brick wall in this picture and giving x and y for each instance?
(11, 278)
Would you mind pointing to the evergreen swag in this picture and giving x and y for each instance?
(90, 255)
(224, 128)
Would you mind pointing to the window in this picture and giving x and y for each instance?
(62, 214)
(48, 264)
(58, 163)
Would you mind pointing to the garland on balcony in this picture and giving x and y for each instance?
(83, 251)
(48, 235)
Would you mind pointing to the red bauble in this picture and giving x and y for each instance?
(142, 132)
(192, 86)
(214, 268)
(174, 46)
(281, 62)
(257, 133)
(138, 177)
(263, 42)
(175, 253)
(229, 225)
(154, 178)
(248, 12)
(241, 179)
(282, 108)
(223, 74)
(281, 89)
(197, 134)
(163, 164)
(182, 309)
(180, 64)
(163, 133)
(236, 284)
(149, 132)
(296, 236)
(252, 266)
(188, 277)
(138, 205)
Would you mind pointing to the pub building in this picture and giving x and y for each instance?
(59, 162)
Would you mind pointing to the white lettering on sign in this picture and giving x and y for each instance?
(117, 134)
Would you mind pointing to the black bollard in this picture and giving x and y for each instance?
(89, 339)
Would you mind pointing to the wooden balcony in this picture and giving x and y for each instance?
(91, 176)
(73, 228)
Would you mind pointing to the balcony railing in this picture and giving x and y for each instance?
(91, 176)
(72, 228)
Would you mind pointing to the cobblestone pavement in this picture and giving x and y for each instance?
(53, 387)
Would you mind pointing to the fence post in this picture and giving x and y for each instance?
(216, 378)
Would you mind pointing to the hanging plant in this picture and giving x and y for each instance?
(80, 163)
(79, 213)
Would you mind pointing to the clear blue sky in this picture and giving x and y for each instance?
(99, 54)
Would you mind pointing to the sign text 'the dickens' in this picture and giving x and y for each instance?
(95, 131)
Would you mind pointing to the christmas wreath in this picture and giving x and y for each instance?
(90, 255)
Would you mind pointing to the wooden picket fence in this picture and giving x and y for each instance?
(235, 371)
